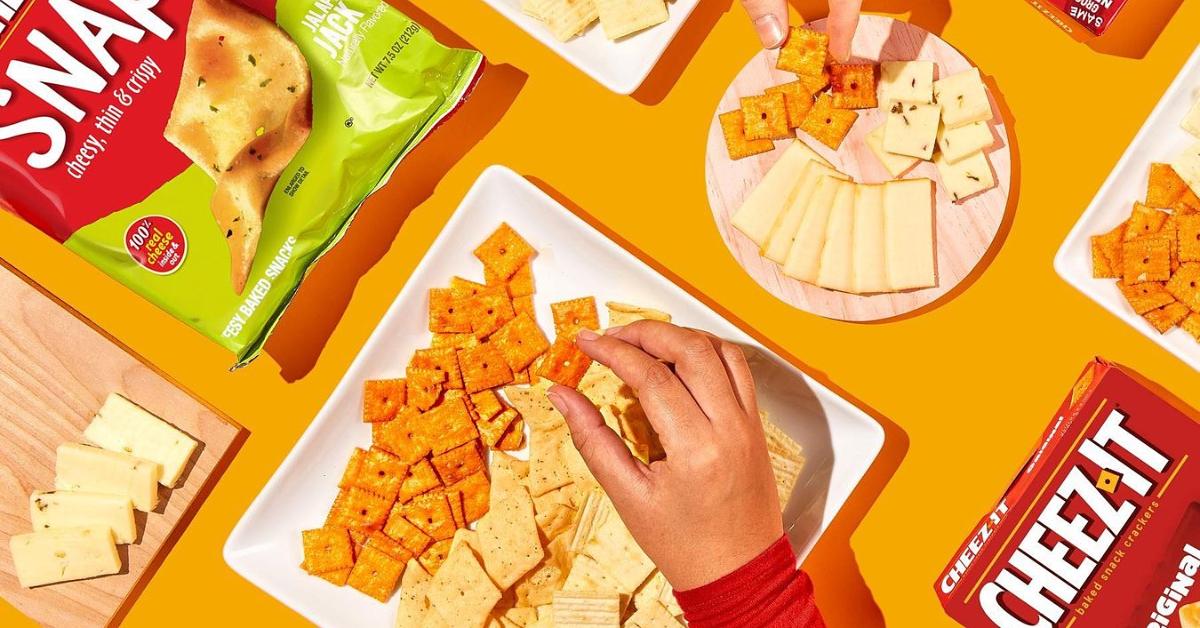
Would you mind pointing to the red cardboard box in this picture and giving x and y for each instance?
(1082, 19)
(1100, 528)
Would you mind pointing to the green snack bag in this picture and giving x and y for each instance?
(206, 153)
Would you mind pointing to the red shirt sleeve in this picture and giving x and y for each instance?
(769, 591)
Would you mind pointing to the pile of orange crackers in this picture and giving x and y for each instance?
(806, 104)
(424, 476)
(1155, 254)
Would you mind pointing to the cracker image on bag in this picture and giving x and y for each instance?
(242, 113)
(206, 153)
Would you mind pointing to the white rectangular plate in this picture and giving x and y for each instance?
(620, 65)
(1161, 139)
(839, 440)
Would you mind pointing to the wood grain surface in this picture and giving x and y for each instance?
(965, 231)
(56, 369)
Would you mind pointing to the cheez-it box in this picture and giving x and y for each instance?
(1082, 19)
(1102, 525)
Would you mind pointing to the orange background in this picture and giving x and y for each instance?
(963, 389)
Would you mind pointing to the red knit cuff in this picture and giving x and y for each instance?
(767, 591)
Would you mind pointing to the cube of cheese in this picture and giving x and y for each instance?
(1191, 122)
(59, 555)
(836, 271)
(911, 129)
(123, 426)
(95, 470)
(1187, 165)
(72, 509)
(965, 177)
(965, 140)
(909, 251)
(964, 99)
(774, 193)
(870, 272)
(895, 164)
(910, 81)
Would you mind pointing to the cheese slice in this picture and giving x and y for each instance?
(788, 223)
(910, 81)
(895, 164)
(963, 97)
(1187, 166)
(72, 509)
(966, 177)
(911, 129)
(803, 260)
(59, 555)
(836, 271)
(94, 470)
(1191, 124)
(774, 193)
(124, 426)
(870, 274)
(909, 252)
(964, 141)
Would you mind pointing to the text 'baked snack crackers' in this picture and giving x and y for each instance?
(183, 154)
(1102, 526)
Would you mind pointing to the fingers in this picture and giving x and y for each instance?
(770, 19)
(698, 363)
(604, 452)
(738, 369)
(669, 406)
(843, 21)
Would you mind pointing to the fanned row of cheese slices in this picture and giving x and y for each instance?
(77, 526)
(827, 230)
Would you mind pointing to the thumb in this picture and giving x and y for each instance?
(843, 21)
(770, 18)
(604, 452)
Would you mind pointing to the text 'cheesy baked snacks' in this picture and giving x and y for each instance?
(1102, 525)
(206, 153)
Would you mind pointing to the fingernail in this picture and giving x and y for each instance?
(556, 400)
(587, 334)
(770, 31)
(612, 331)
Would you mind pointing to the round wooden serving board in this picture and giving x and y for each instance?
(965, 231)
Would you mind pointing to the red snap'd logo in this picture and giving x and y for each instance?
(157, 243)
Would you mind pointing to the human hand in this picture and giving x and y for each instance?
(711, 506)
(770, 18)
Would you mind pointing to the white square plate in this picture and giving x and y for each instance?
(839, 440)
(620, 65)
(1161, 139)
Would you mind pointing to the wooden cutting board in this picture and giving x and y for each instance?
(56, 369)
(965, 231)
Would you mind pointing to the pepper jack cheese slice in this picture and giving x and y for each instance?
(95, 470)
(803, 260)
(870, 274)
(774, 193)
(908, 233)
(964, 99)
(1187, 165)
(123, 426)
(895, 164)
(911, 129)
(964, 141)
(789, 222)
(837, 256)
(910, 81)
(965, 177)
(59, 555)
(71, 509)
